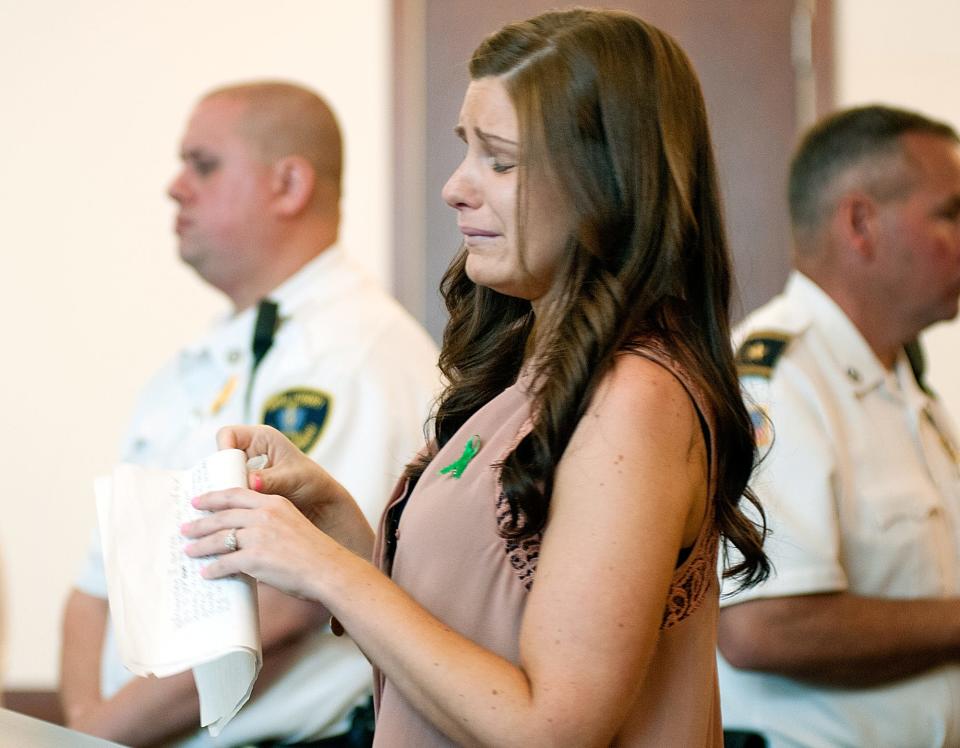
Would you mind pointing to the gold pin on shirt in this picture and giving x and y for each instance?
(223, 397)
(755, 351)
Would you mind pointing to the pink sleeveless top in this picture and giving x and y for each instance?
(441, 544)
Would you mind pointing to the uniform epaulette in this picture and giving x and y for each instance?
(760, 352)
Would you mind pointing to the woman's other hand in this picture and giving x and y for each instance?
(274, 542)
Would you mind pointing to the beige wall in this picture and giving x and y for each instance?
(94, 98)
(906, 53)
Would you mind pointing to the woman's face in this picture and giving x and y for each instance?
(483, 191)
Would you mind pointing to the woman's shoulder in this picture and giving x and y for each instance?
(640, 372)
(648, 365)
(644, 386)
(659, 351)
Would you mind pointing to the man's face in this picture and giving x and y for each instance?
(919, 239)
(222, 192)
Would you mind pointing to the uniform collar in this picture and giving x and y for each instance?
(849, 349)
(227, 344)
(312, 281)
(908, 384)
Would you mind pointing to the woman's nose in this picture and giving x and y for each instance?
(460, 190)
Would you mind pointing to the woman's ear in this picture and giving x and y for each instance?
(292, 184)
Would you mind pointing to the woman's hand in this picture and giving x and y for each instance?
(288, 472)
(275, 543)
(306, 485)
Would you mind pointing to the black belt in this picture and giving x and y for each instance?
(743, 739)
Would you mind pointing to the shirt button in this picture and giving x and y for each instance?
(233, 356)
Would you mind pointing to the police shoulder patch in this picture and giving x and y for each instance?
(300, 413)
(760, 353)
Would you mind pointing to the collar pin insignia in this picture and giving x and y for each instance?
(756, 352)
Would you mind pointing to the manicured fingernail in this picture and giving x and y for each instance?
(195, 501)
(183, 528)
(256, 480)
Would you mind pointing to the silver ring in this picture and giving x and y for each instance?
(230, 542)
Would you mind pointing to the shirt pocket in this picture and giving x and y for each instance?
(901, 543)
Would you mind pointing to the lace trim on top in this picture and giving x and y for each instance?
(690, 582)
(523, 553)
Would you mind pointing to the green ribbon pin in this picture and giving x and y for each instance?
(469, 452)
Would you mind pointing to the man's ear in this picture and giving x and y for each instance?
(855, 223)
(292, 183)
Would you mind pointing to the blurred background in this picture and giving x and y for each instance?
(95, 96)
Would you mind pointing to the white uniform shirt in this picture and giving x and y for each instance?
(344, 342)
(862, 493)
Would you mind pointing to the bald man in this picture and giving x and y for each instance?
(854, 640)
(312, 347)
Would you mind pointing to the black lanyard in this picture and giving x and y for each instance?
(264, 331)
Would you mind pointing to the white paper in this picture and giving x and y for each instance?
(167, 617)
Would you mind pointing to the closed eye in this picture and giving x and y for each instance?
(201, 162)
(204, 167)
(500, 166)
(500, 152)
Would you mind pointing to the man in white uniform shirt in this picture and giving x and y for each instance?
(314, 348)
(855, 638)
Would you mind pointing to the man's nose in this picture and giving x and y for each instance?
(178, 189)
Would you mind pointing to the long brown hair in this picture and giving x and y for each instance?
(613, 107)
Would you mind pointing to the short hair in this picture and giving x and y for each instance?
(285, 119)
(846, 140)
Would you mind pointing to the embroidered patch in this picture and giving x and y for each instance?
(762, 425)
(300, 414)
(760, 352)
